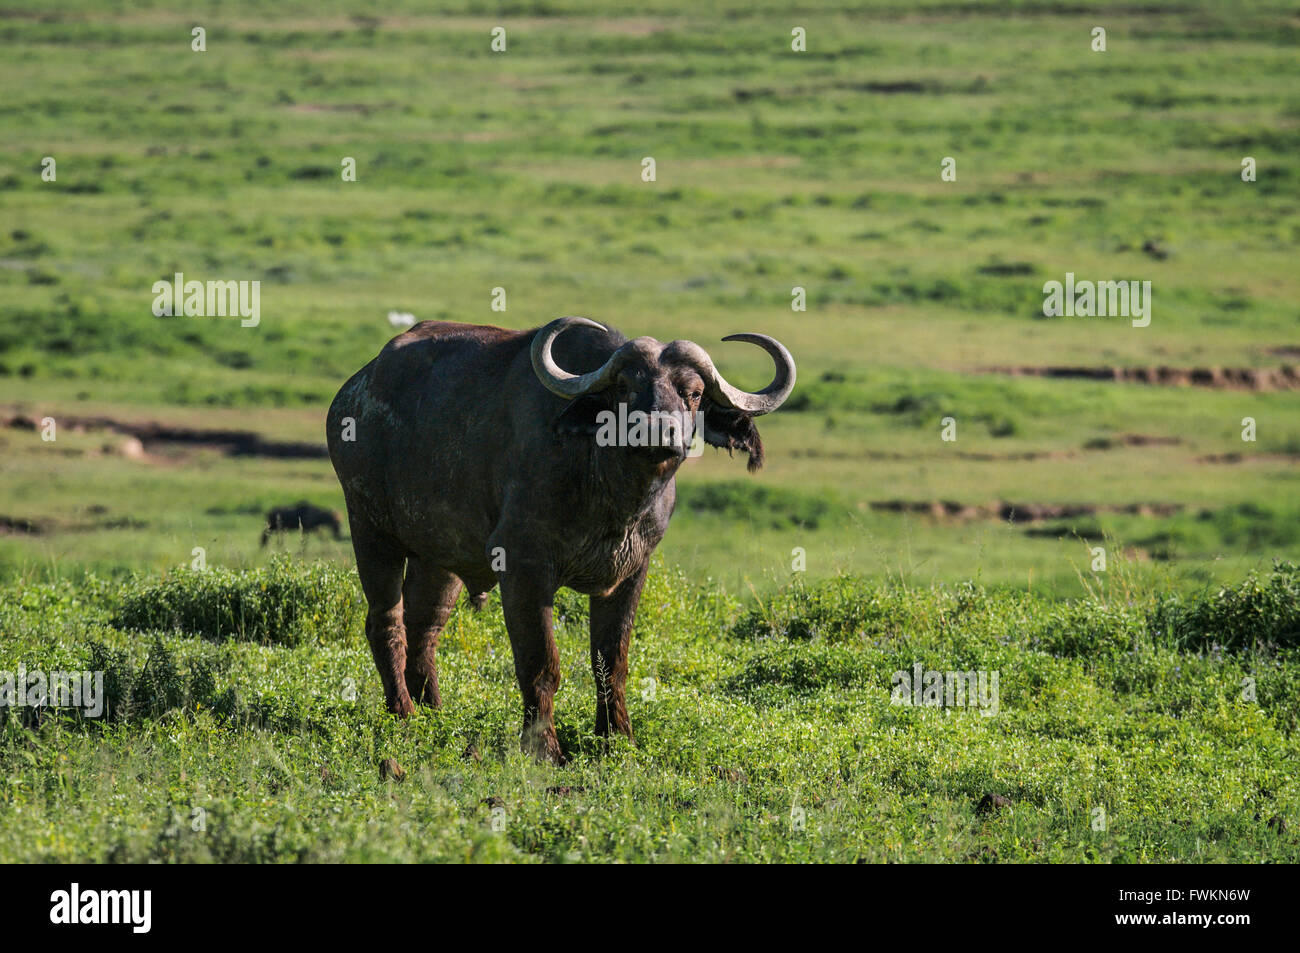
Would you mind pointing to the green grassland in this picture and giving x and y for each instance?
(775, 169)
(245, 724)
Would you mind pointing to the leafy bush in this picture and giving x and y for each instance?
(158, 686)
(283, 603)
(841, 609)
(52, 603)
(1258, 614)
(1087, 629)
(799, 671)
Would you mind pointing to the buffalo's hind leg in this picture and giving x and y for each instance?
(428, 595)
(380, 562)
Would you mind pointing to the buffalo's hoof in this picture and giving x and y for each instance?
(554, 755)
(422, 692)
(545, 747)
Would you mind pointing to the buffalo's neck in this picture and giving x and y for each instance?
(628, 491)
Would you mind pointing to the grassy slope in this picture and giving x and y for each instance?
(775, 169)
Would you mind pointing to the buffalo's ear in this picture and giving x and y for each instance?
(580, 416)
(733, 430)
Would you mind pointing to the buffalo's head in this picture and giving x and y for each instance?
(655, 398)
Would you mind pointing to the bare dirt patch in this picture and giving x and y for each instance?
(45, 526)
(1233, 458)
(362, 109)
(1132, 440)
(1284, 378)
(1019, 512)
(1148, 440)
(819, 454)
(152, 436)
(18, 526)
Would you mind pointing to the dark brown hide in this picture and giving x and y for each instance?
(460, 469)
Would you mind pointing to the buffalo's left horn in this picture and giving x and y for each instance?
(559, 381)
(720, 392)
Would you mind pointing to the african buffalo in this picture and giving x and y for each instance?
(301, 516)
(473, 455)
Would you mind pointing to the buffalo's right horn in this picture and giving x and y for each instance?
(559, 381)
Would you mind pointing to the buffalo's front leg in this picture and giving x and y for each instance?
(526, 600)
(612, 615)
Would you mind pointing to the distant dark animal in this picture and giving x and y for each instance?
(472, 456)
(300, 516)
(1155, 249)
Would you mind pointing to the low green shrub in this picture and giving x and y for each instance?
(284, 603)
(1261, 613)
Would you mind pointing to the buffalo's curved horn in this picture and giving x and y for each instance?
(559, 381)
(720, 392)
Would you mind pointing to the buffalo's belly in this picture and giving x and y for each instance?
(442, 536)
